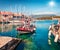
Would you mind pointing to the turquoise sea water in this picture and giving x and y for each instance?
(38, 41)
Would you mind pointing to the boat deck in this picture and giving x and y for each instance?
(4, 40)
(8, 43)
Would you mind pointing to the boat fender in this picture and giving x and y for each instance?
(49, 34)
(34, 28)
(56, 38)
(49, 42)
(50, 27)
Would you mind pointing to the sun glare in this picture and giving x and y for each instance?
(52, 3)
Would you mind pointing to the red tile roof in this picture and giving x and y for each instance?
(5, 13)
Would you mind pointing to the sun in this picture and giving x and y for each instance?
(52, 3)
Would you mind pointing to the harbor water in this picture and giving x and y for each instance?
(36, 41)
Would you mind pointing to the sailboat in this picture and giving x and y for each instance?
(26, 27)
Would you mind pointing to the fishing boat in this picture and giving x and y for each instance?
(24, 30)
(55, 31)
(26, 26)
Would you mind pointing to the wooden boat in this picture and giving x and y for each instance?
(55, 30)
(8, 43)
(24, 30)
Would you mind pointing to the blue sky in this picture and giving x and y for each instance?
(30, 6)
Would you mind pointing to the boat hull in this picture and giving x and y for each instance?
(26, 32)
